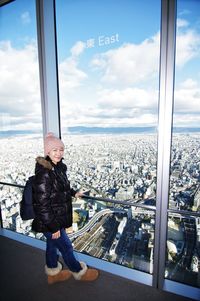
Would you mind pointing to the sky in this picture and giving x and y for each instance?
(108, 61)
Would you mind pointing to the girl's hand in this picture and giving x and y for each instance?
(69, 230)
(56, 235)
(79, 194)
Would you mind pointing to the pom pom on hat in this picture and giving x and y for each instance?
(51, 142)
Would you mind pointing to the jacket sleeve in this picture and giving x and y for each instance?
(73, 192)
(42, 190)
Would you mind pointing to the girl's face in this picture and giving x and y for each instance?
(56, 154)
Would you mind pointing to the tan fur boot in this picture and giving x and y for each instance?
(57, 274)
(86, 274)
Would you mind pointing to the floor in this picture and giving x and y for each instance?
(23, 279)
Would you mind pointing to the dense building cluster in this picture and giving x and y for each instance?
(116, 167)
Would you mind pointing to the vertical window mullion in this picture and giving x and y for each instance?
(48, 65)
(167, 59)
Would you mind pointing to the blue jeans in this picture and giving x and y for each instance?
(64, 245)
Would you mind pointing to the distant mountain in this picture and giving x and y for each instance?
(124, 130)
(5, 134)
(186, 130)
(110, 130)
(82, 130)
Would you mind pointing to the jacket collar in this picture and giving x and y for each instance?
(45, 162)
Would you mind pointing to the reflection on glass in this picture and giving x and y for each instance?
(10, 207)
(185, 172)
(183, 249)
(183, 244)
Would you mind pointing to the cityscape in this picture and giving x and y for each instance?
(112, 168)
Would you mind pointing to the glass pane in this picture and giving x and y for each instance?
(183, 243)
(115, 233)
(108, 54)
(183, 249)
(185, 162)
(20, 106)
(10, 207)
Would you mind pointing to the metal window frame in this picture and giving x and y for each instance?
(4, 2)
(165, 127)
(47, 52)
(166, 94)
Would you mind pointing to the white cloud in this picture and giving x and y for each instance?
(184, 12)
(71, 76)
(122, 91)
(128, 98)
(187, 120)
(77, 49)
(118, 100)
(113, 108)
(93, 116)
(182, 23)
(189, 84)
(133, 64)
(187, 97)
(19, 86)
(25, 18)
(187, 43)
(129, 64)
(187, 47)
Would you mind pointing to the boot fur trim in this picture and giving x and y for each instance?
(53, 271)
(78, 275)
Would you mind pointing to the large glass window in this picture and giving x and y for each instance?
(183, 244)
(20, 107)
(108, 62)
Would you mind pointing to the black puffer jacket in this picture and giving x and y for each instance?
(52, 196)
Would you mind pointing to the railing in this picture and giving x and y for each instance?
(106, 200)
(125, 203)
(11, 184)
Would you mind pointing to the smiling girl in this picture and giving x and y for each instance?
(52, 201)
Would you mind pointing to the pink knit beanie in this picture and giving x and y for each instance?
(51, 142)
